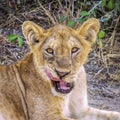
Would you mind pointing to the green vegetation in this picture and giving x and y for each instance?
(18, 38)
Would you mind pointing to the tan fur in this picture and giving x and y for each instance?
(27, 92)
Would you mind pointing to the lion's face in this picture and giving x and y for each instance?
(60, 51)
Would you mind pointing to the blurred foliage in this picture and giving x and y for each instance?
(14, 38)
(101, 34)
(70, 12)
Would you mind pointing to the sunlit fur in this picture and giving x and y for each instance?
(61, 39)
(27, 93)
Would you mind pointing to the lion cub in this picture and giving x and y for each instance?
(50, 82)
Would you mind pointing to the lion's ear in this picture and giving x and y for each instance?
(32, 32)
(89, 29)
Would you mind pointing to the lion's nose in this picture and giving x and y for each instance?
(62, 74)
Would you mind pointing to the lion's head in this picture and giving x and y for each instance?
(60, 50)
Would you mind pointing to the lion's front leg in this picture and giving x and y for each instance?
(60, 117)
(10, 108)
(78, 105)
(96, 114)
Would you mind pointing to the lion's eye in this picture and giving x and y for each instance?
(74, 50)
(50, 51)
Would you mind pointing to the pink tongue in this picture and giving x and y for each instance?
(63, 84)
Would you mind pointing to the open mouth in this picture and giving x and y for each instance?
(62, 86)
(59, 84)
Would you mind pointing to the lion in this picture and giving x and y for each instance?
(49, 83)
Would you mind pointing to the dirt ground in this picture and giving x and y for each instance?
(103, 90)
(103, 93)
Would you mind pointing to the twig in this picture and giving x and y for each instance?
(114, 55)
(95, 7)
(60, 3)
(114, 32)
(97, 73)
(71, 3)
(91, 9)
(47, 13)
(117, 23)
(112, 38)
(18, 19)
(73, 7)
(61, 8)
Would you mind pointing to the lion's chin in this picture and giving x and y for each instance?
(58, 94)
